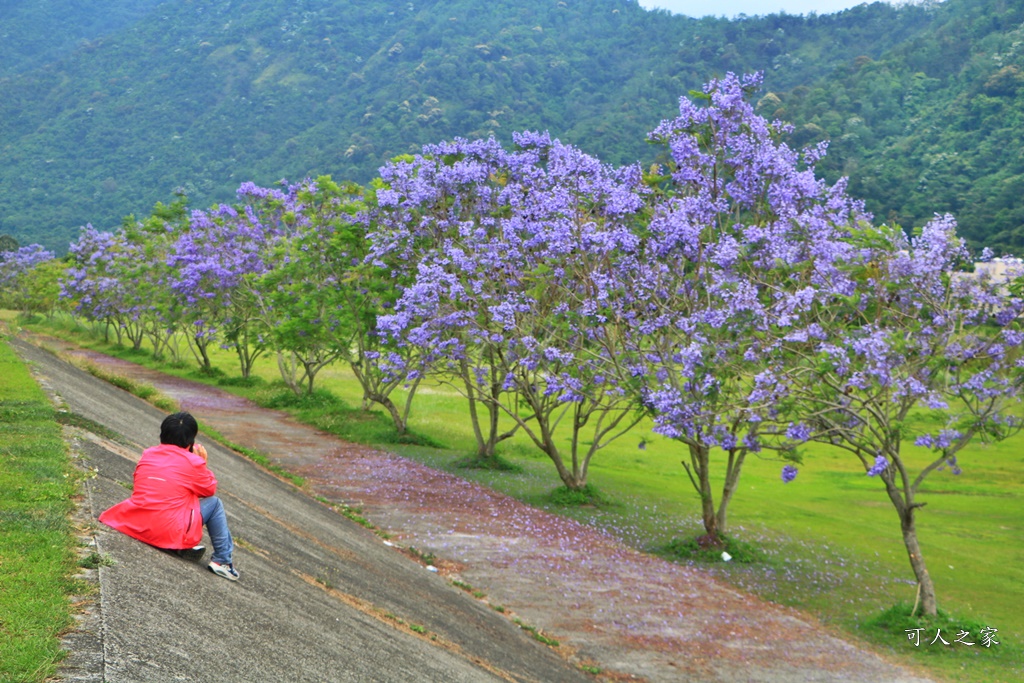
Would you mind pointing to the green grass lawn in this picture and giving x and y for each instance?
(37, 547)
(831, 539)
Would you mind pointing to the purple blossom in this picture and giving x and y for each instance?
(13, 264)
(789, 473)
(879, 466)
(798, 432)
(945, 439)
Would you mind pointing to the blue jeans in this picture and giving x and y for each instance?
(216, 521)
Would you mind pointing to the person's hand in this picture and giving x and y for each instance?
(200, 451)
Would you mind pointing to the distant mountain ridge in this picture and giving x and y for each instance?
(199, 96)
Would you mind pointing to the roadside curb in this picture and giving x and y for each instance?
(85, 643)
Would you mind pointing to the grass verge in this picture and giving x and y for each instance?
(326, 411)
(37, 546)
(140, 389)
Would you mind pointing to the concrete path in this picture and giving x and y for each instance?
(634, 616)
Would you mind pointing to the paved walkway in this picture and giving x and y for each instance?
(633, 615)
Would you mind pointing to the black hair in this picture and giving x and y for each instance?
(179, 430)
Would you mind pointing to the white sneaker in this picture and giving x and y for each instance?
(225, 570)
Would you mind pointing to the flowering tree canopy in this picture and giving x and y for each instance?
(502, 245)
(14, 263)
(29, 279)
(295, 293)
(212, 261)
(917, 353)
(317, 298)
(144, 263)
(122, 279)
(742, 241)
(94, 284)
(426, 203)
(740, 302)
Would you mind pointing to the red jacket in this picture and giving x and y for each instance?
(164, 507)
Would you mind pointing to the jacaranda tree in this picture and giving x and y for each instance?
(122, 279)
(504, 244)
(213, 262)
(318, 298)
(29, 279)
(299, 309)
(742, 240)
(144, 264)
(916, 363)
(424, 203)
(380, 363)
(94, 284)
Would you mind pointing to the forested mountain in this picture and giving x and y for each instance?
(937, 124)
(920, 101)
(34, 32)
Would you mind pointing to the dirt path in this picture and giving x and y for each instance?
(637, 616)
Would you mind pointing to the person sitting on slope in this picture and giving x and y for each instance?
(173, 497)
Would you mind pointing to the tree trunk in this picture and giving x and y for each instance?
(246, 355)
(572, 479)
(159, 339)
(407, 408)
(311, 370)
(243, 361)
(174, 348)
(206, 356)
(288, 369)
(363, 376)
(197, 347)
(732, 479)
(699, 460)
(247, 352)
(474, 421)
(721, 517)
(929, 605)
(486, 444)
(491, 445)
(396, 416)
(135, 334)
(906, 509)
(710, 520)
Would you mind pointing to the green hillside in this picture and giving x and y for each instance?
(936, 125)
(197, 96)
(34, 32)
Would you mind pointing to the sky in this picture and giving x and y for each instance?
(730, 8)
